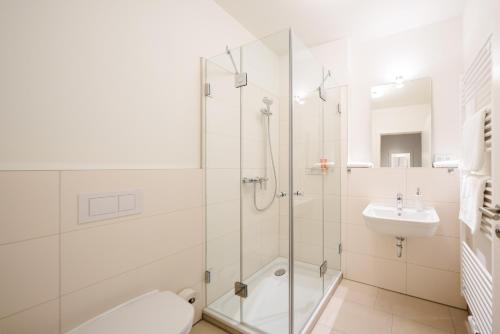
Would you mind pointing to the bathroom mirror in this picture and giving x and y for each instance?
(401, 123)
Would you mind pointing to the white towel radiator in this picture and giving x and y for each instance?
(477, 249)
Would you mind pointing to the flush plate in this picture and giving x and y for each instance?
(101, 206)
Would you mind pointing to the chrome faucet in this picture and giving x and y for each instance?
(399, 202)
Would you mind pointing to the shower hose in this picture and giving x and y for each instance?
(268, 205)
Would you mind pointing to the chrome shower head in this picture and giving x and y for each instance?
(267, 110)
(267, 101)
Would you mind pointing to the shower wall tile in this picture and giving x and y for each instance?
(29, 206)
(426, 259)
(224, 218)
(222, 151)
(222, 185)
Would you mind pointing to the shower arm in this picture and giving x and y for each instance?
(232, 59)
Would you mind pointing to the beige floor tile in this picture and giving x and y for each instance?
(419, 310)
(459, 318)
(321, 329)
(331, 312)
(405, 326)
(357, 292)
(353, 318)
(204, 327)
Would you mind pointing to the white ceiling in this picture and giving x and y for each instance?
(320, 21)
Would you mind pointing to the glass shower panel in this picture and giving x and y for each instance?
(308, 174)
(332, 183)
(264, 269)
(222, 186)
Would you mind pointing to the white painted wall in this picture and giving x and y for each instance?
(106, 84)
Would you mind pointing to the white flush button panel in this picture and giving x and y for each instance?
(101, 206)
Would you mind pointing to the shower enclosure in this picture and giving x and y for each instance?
(272, 186)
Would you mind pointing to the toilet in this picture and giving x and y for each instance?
(152, 313)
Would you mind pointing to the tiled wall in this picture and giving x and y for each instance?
(56, 273)
(429, 267)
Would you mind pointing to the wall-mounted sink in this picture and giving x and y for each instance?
(404, 222)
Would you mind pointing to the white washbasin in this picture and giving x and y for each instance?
(407, 223)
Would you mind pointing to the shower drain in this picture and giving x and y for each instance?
(280, 272)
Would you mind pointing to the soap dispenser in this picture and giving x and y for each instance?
(419, 200)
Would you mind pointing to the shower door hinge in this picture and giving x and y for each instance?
(323, 268)
(208, 89)
(240, 80)
(240, 289)
(207, 276)
(340, 248)
(339, 109)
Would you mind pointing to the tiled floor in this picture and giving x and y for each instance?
(358, 308)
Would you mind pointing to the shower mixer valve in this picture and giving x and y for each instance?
(258, 179)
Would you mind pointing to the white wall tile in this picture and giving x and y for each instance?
(30, 274)
(383, 273)
(29, 205)
(449, 225)
(435, 252)
(436, 285)
(161, 191)
(376, 182)
(91, 255)
(360, 239)
(436, 184)
(40, 319)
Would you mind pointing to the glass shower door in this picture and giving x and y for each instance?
(332, 118)
(264, 267)
(222, 186)
(308, 185)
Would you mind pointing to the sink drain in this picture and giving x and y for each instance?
(280, 272)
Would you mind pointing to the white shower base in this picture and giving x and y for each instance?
(266, 307)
